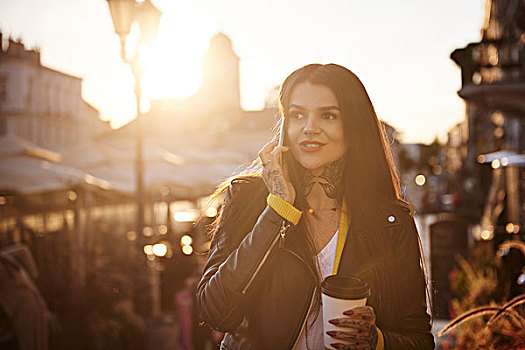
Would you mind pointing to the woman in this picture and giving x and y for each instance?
(281, 230)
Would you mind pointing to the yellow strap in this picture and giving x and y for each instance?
(283, 208)
(344, 222)
(380, 340)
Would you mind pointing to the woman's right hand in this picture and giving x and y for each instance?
(273, 174)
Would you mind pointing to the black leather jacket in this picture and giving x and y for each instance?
(259, 291)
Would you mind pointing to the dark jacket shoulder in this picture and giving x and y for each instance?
(245, 185)
(245, 199)
(394, 212)
(401, 204)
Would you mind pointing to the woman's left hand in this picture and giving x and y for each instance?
(361, 333)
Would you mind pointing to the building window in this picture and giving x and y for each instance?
(3, 88)
(29, 95)
(47, 103)
(58, 109)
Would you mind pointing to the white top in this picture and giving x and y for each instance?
(326, 260)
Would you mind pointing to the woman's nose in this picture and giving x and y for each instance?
(311, 126)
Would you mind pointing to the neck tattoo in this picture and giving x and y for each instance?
(329, 179)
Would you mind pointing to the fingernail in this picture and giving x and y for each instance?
(331, 333)
(335, 322)
(348, 313)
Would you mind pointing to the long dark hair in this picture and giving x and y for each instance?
(369, 172)
(369, 177)
(370, 181)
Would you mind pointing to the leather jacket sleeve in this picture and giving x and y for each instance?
(412, 321)
(232, 266)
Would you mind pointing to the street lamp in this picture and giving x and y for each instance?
(124, 13)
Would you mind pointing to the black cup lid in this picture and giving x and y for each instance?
(345, 287)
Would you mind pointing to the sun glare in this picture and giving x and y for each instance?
(174, 62)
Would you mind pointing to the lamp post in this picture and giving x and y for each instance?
(124, 13)
(147, 16)
(153, 253)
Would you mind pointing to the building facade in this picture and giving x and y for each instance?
(493, 87)
(41, 104)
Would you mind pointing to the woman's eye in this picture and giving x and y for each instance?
(329, 116)
(296, 115)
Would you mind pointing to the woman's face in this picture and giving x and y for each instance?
(315, 126)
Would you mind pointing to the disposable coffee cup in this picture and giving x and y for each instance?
(339, 294)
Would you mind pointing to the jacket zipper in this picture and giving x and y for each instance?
(282, 233)
(312, 298)
(284, 227)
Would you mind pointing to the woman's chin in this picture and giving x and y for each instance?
(313, 166)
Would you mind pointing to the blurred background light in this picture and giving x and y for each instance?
(512, 228)
(131, 235)
(148, 249)
(160, 249)
(476, 232)
(72, 195)
(163, 229)
(420, 180)
(211, 212)
(186, 240)
(147, 231)
(189, 215)
(487, 233)
(187, 249)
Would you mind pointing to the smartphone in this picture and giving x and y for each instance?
(281, 140)
(281, 133)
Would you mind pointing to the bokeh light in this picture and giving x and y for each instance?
(187, 249)
(160, 249)
(487, 233)
(186, 240)
(211, 212)
(72, 195)
(163, 229)
(420, 180)
(512, 228)
(147, 231)
(131, 235)
(148, 249)
(186, 215)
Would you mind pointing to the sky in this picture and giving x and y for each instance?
(399, 49)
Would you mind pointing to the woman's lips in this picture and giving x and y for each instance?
(311, 146)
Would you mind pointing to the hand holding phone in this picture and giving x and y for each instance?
(273, 173)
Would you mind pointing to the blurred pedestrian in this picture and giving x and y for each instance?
(184, 300)
(20, 298)
(323, 198)
(192, 335)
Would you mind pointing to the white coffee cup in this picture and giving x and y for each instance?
(339, 294)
